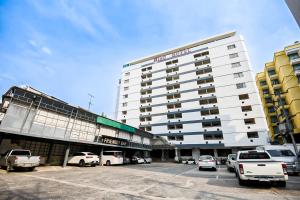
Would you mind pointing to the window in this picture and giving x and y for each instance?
(253, 134)
(124, 112)
(147, 128)
(203, 71)
(206, 80)
(126, 88)
(146, 69)
(254, 155)
(179, 138)
(123, 121)
(268, 100)
(205, 53)
(236, 64)
(296, 67)
(274, 119)
(175, 69)
(174, 105)
(173, 96)
(174, 116)
(281, 153)
(243, 96)
(246, 108)
(265, 91)
(173, 87)
(277, 91)
(149, 100)
(125, 96)
(126, 81)
(143, 92)
(275, 82)
(233, 55)
(249, 121)
(211, 124)
(175, 126)
(171, 137)
(143, 76)
(240, 85)
(212, 111)
(208, 101)
(271, 72)
(218, 136)
(146, 83)
(124, 104)
(172, 62)
(147, 109)
(172, 78)
(127, 73)
(206, 91)
(238, 75)
(262, 83)
(232, 46)
(145, 119)
(202, 62)
(271, 109)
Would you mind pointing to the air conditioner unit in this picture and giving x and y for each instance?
(297, 72)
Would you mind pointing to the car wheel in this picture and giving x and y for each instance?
(214, 168)
(108, 163)
(200, 168)
(281, 183)
(81, 163)
(242, 182)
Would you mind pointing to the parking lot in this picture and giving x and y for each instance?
(144, 181)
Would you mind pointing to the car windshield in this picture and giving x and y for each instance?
(254, 155)
(280, 153)
(205, 158)
(20, 153)
(91, 154)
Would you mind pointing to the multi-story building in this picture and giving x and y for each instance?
(280, 80)
(200, 96)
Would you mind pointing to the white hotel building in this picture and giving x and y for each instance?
(200, 96)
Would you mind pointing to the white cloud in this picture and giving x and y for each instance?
(46, 50)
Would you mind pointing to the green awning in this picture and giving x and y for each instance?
(115, 124)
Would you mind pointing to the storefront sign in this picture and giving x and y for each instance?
(175, 54)
(114, 141)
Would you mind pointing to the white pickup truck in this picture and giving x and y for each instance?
(257, 165)
(19, 158)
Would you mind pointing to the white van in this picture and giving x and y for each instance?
(283, 153)
(112, 158)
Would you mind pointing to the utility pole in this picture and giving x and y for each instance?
(90, 102)
(288, 123)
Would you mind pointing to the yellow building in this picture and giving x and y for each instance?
(281, 79)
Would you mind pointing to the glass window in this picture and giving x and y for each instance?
(236, 64)
(280, 153)
(232, 46)
(240, 85)
(252, 134)
(243, 96)
(233, 55)
(238, 75)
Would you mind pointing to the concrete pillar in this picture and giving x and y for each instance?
(101, 156)
(196, 154)
(177, 155)
(163, 157)
(66, 156)
(215, 153)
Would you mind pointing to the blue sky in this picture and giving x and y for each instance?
(71, 48)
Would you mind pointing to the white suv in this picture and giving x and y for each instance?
(84, 158)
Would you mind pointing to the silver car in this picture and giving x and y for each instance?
(231, 159)
(286, 156)
(207, 162)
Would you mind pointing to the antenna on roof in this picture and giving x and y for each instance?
(90, 102)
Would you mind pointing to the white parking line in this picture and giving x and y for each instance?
(118, 191)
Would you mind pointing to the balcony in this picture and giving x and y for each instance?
(295, 61)
(277, 86)
(274, 76)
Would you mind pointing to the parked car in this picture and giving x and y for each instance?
(208, 162)
(257, 165)
(231, 158)
(112, 158)
(19, 158)
(137, 160)
(190, 161)
(84, 158)
(148, 160)
(284, 154)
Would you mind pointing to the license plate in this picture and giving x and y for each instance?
(27, 165)
(264, 180)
